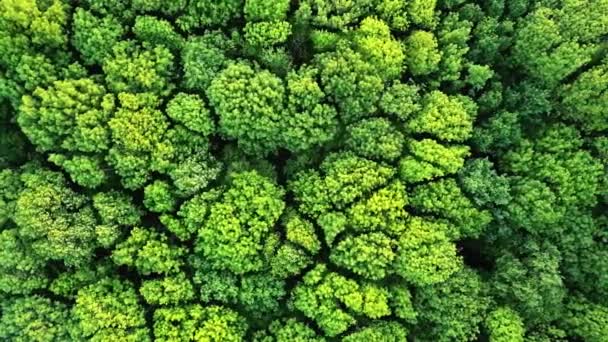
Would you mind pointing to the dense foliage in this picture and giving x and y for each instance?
(312, 170)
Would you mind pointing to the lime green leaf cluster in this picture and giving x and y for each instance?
(311, 170)
(109, 310)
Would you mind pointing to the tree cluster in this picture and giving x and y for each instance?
(312, 170)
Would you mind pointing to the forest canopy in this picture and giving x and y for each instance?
(308, 170)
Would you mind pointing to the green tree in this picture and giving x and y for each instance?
(109, 310)
(241, 223)
(582, 100)
(301, 232)
(34, 318)
(249, 104)
(350, 82)
(258, 294)
(203, 57)
(453, 34)
(34, 44)
(587, 320)
(86, 171)
(70, 115)
(386, 331)
(333, 301)
(198, 14)
(444, 199)
(158, 5)
(308, 121)
(10, 188)
(369, 255)
(540, 218)
(21, 270)
(394, 13)
(191, 215)
(95, 37)
(287, 330)
(452, 310)
(158, 197)
(401, 100)
(259, 10)
(540, 289)
(116, 8)
(427, 159)
(551, 46)
(57, 223)
(192, 112)
(310, 170)
(265, 34)
(67, 283)
(569, 174)
(505, 325)
(137, 130)
(422, 54)
(149, 252)
(376, 139)
(70, 118)
(421, 12)
(331, 14)
(170, 290)
(186, 157)
(374, 41)
(346, 178)
(478, 75)
(501, 132)
(194, 322)
(134, 69)
(482, 183)
(115, 210)
(116, 207)
(425, 255)
(444, 117)
(157, 32)
(383, 210)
